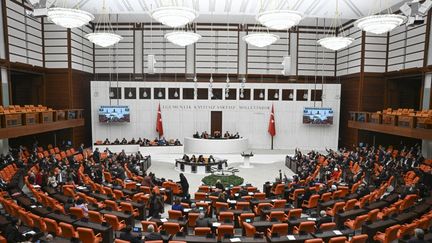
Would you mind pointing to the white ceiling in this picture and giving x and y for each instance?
(238, 11)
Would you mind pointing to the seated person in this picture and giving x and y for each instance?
(132, 141)
(152, 235)
(217, 134)
(196, 135)
(237, 136)
(418, 236)
(128, 236)
(202, 221)
(106, 142)
(219, 185)
(211, 159)
(162, 142)
(117, 141)
(324, 218)
(205, 135)
(227, 135)
(201, 159)
(177, 142)
(193, 159)
(177, 205)
(139, 141)
(185, 158)
(124, 141)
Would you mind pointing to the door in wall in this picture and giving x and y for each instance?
(216, 122)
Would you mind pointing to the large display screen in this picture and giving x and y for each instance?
(109, 114)
(322, 116)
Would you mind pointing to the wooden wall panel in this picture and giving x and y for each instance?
(57, 88)
(81, 100)
(350, 94)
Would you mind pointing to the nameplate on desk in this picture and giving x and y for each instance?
(186, 210)
(33, 206)
(36, 186)
(231, 201)
(312, 219)
(31, 232)
(81, 187)
(337, 232)
(291, 237)
(250, 193)
(216, 224)
(273, 200)
(164, 220)
(235, 240)
(162, 189)
(138, 184)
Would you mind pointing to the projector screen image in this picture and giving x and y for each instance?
(322, 116)
(109, 114)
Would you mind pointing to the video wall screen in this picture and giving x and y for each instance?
(114, 114)
(319, 116)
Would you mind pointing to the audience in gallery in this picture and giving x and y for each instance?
(143, 142)
(216, 135)
(371, 167)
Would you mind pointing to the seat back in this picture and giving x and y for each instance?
(373, 215)
(259, 196)
(350, 204)
(280, 229)
(52, 227)
(295, 213)
(326, 197)
(95, 217)
(77, 212)
(318, 240)
(111, 204)
(250, 230)
(242, 205)
(171, 228)
(67, 230)
(327, 226)
(226, 216)
(202, 230)
(313, 201)
(200, 195)
(278, 215)
(359, 220)
(192, 218)
(113, 221)
(174, 214)
(145, 224)
(279, 203)
(359, 238)
(86, 235)
(391, 233)
(339, 239)
(224, 230)
(308, 227)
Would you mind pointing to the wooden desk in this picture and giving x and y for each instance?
(405, 217)
(326, 235)
(340, 218)
(62, 218)
(377, 205)
(380, 225)
(297, 238)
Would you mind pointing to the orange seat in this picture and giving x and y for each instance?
(174, 214)
(68, 231)
(114, 222)
(87, 236)
(192, 218)
(389, 235)
(279, 203)
(172, 228)
(96, 217)
(200, 195)
(277, 215)
(406, 230)
(327, 226)
(52, 227)
(127, 207)
(294, 213)
(357, 222)
(223, 230)
(337, 207)
(339, 239)
(350, 204)
(307, 227)
(221, 205)
(121, 241)
(373, 215)
(259, 196)
(297, 192)
(278, 229)
(260, 206)
(386, 212)
(226, 217)
(145, 224)
(326, 197)
(250, 230)
(358, 239)
(202, 230)
(242, 205)
(112, 204)
(77, 212)
(312, 202)
(278, 190)
(317, 240)
(242, 217)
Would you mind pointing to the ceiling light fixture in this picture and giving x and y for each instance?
(260, 39)
(182, 38)
(380, 23)
(160, 94)
(291, 96)
(103, 34)
(261, 95)
(332, 41)
(279, 19)
(69, 17)
(276, 95)
(174, 16)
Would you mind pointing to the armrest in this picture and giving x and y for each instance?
(98, 235)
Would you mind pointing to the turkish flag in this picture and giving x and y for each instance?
(159, 127)
(272, 125)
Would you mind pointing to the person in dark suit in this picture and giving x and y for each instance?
(151, 234)
(419, 237)
(324, 218)
(128, 236)
(202, 221)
